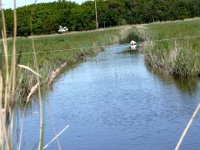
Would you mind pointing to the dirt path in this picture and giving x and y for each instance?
(78, 32)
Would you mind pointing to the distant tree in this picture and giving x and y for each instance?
(9, 21)
(45, 18)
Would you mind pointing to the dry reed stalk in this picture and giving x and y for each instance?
(21, 128)
(1, 94)
(187, 127)
(4, 114)
(11, 126)
(39, 87)
(61, 132)
(33, 90)
(13, 66)
(13, 74)
(40, 146)
(21, 131)
(53, 126)
(28, 68)
(55, 73)
(5, 47)
(8, 88)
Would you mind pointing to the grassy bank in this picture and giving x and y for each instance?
(174, 47)
(168, 47)
(53, 51)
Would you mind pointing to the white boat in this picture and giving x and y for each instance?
(133, 45)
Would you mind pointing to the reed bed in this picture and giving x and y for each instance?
(174, 47)
(53, 51)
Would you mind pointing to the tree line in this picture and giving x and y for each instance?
(45, 18)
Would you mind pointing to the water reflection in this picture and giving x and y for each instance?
(129, 52)
(185, 84)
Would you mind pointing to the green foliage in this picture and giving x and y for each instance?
(45, 18)
(176, 55)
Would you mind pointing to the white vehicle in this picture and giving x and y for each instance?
(62, 29)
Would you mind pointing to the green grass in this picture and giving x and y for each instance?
(180, 54)
(52, 51)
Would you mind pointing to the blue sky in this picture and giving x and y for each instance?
(9, 3)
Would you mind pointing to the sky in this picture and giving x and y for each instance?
(9, 3)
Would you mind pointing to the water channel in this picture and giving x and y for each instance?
(115, 102)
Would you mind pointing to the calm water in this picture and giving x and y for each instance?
(114, 102)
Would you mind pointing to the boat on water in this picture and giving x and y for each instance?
(133, 45)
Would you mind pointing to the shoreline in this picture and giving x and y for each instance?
(56, 73)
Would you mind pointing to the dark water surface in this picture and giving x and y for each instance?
(115, 102)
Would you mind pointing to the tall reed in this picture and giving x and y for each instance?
(7, 89)
(8, 73)
(174, 47)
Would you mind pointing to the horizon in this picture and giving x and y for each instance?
(6, 4)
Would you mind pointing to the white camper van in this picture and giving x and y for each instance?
(62, 29)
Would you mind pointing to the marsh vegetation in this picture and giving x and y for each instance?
(174, 47)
